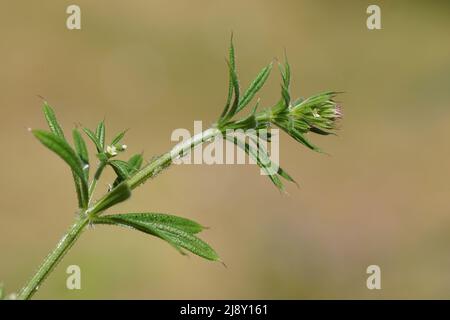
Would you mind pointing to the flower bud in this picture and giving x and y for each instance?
(318, 113)
(122, 147)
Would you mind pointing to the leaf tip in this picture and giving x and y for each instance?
(42, 99)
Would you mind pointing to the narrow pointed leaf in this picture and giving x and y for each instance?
(82, 191)
(133, 165)
(236, 90)
(119, 194)
(52, 121)
(121, 168)
(300, 138)
(254, 87)
(94, 139)
(265, 159)
(260, 153)
(184, 224)
(285, 71)
(78, 190)
(62, 149)
(80, 147)
(231, 62)
(166, 229)
(65, 152)
(286, 176)
(233, 86)
(320, 131)
(263, 162)
(229, 97)
(231, 55)
(118, 138)
(136, 161)
(100, 134)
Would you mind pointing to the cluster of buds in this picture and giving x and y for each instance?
(104, 151)
(317, 114)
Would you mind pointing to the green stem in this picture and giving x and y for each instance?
(149, 171)
(97, 175)
(53, 258)
(165, 160)
(74, 232)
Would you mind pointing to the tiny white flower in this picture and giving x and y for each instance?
(111, 150)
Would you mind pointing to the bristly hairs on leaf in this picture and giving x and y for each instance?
(317, 114)
(78, 161)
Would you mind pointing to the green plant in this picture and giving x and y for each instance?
(316, 114)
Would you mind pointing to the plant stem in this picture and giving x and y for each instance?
(147, 172)
(67, 241)
(165, 160)
(53, 258)
(97, 175)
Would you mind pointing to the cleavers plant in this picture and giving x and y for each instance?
(317, 114)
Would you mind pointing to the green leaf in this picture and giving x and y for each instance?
(320, 131)
(178, 232)
(300, 138)
(100, 134)
(286, 176)
(233, 83)
(52, 121)
(65, 152)
(119, 137)
(94, 139)
(80, 197)
(82, 191)
(261, 159)
(80, 147)
(319, 98)
(80, 183)
(136, 161)
(121, 168)
(285, 71)
(254, 87)
(265, 159)
(119, 194)
(184, 224)
(231, 55)
(62, 149)
(236, 90)
(247, 122)
(127, 169)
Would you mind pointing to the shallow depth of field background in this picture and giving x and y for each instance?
(382, 197)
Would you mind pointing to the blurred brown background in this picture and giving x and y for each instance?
(382, 197)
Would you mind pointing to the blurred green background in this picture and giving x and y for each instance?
(382, 197)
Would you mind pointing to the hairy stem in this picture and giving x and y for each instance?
(68, 240)
(165, 160)
(97, 175)
(53, 258)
